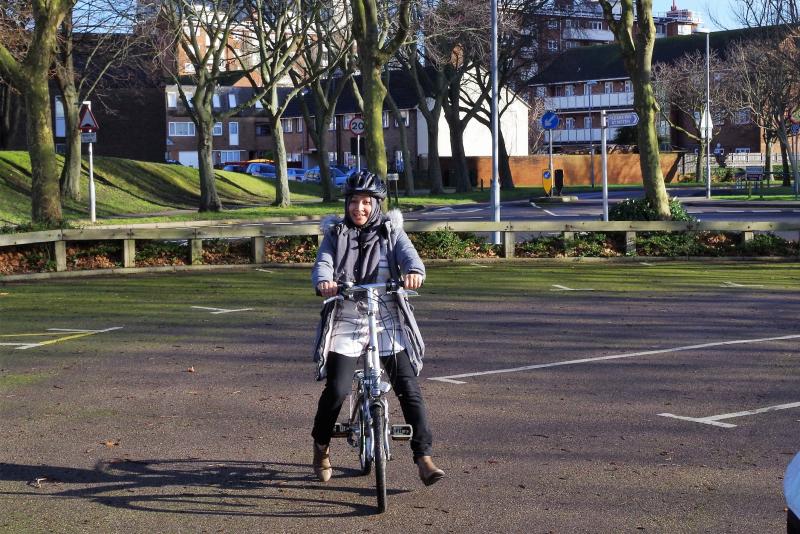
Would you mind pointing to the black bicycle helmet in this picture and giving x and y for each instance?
(365, 183)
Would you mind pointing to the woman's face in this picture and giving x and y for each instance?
(359, 209)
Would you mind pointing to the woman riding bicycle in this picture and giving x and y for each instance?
(368, 247)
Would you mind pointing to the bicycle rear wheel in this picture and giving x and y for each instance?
(379, 433)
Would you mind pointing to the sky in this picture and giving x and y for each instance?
(721, 9)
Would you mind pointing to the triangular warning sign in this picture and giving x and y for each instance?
(87, 122)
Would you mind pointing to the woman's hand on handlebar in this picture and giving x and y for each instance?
(412, 281)
(328, 288)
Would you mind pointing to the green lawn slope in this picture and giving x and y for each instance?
(127, 188)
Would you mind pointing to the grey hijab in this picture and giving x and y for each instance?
(359, 261)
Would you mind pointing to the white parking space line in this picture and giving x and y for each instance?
(550, 213)
(217, 311)
(265, 271)
(62, 334)
(714, 420)
(451, 378)
(645, 264)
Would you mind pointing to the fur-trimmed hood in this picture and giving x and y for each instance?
(395, 216)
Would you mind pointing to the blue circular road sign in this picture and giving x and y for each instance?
(549, 120)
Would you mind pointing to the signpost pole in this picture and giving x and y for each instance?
(550, 138)
(603, 136)
(358, 153)
(92, 203)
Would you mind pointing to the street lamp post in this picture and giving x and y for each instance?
(589, 86)
(495, 125)
(705, 123)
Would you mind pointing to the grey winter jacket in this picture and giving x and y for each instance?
(402, 258)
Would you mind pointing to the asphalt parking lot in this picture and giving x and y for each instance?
(573, 398)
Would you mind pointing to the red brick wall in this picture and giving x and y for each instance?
(622, 169)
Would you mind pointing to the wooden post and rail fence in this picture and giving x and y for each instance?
(257, 233)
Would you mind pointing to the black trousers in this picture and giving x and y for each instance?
(792, 523)
(404, 383)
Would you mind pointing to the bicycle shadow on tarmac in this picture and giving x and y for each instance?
(197, 486)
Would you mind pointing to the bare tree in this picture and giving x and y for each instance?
(768, 85)
(26, 66)
(380, 28)
(213, 39)
(96, 37)
(680, 87)
(326, 68)
(282, 34)
(760, 13)
(635, 33)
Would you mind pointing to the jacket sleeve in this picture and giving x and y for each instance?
(323, 267)
(407, 256)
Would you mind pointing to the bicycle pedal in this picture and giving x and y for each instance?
(402, 432)
(341, 430)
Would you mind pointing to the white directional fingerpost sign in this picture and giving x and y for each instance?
(88, 126)
(619, 120)
(357, 127)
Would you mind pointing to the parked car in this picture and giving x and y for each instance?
(312, 175)
(261, 170)
(235, 167)
(296, 174)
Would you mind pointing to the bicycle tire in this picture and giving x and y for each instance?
(361, 421)
(379, 443)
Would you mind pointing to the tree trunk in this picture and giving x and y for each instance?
(373, 92)
(45, 197)
(434, 163)
(459, 158)
(328, 189)
(504, 163)
(408, 175)
(649, 159)
(10, 106)
(70, 181)
(784, 141)
(209, 200)
(282, 195)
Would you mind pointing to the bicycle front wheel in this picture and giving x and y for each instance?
(379, 443)
(359, 419)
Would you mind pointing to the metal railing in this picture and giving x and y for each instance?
(259, 232)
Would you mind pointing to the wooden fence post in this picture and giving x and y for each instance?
(509, 242)
(630, 243)
(257, 244)
(196, 257)
(129, 253)
(60, 248)
(569, 237)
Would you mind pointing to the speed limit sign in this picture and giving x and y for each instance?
(357, 126)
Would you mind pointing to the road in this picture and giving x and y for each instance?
(589, 207)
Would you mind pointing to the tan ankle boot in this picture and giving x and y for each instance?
(322, 462)
(428, 472)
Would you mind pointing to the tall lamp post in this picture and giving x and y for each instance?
(706, 126)
(590, 87)
(495, 125)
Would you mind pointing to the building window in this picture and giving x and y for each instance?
(608, 88)
(569, 23)
(587, 89)
(404, 116)
(569, 123)
(286, 125)
(332, 124)
(172, 100)
(181, 129)
(541, 91)
(742, 150)
(262, 129)
(299, 123)
(259, 104)
(595, 25)
(569, 90)
(215, 101)
(346, 121)
(571, 44)
(217, 129)
(224, 156)
(587, 123)
(552, 45)
(188, 68)
(628, 86)
(385, 119)
(552, 24)
(742, 117)
(189, 97)
(61, 122)
(233, 133)
(232, 100)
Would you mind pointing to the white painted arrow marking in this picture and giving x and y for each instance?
(734, 284)
(714, 420)
(565, 288)
(217, 311)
